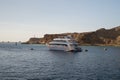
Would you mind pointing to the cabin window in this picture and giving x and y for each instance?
(59, 41)
(60, 44)
(75, 45)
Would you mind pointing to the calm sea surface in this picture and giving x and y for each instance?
(21, 63)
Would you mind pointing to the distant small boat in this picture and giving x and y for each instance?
(105, 49)
(31, 49)
(64, 43)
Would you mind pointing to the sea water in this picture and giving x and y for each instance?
(36, 62)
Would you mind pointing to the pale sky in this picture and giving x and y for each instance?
(22, 19)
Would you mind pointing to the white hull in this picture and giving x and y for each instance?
(58, 48)
(62, 48)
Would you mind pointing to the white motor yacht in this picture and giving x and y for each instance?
(64, 43)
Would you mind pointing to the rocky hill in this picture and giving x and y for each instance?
(99, 37)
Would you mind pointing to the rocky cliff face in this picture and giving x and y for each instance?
(98, 37)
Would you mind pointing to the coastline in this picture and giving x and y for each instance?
(100, 37)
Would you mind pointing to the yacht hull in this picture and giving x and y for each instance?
(59, 48)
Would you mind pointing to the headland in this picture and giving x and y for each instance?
(100, 37)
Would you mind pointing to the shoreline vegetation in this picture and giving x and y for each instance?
(100, 37)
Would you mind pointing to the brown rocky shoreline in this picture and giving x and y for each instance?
(100, 37)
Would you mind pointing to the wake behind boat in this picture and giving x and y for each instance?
(64, 43)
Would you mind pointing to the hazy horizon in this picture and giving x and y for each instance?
(22, 19)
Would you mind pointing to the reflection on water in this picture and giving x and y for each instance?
(21, 63)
